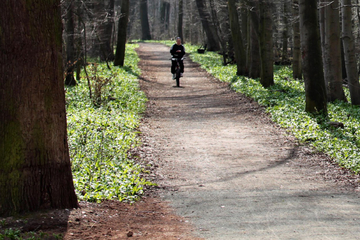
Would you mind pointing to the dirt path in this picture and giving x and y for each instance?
(231, 172)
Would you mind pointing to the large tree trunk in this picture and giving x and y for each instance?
(266, 44)
(240, 53)
(35, 170)
(209, 28)
(296, 64)
(145, 28)
(332, 53)
(312, 60)
(70, 48)
(106, 31)
(122, 33)
(180, 20)
(349, 52)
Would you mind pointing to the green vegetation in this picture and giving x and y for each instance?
(285, 101)
(16, 234)
(101, 132)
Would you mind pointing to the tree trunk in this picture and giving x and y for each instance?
(145, 28)
(296, 65)
(70, 49)
(244, 16)
(343, 65)
(209, 28)
(285, 33)
(79, 44)
(321, 17)
(332, 54)
(312, 60)
(240, 53)
(349, 52)
(35, 170)
(218, 31)
(255, 60)
(105, 32)
(122, 33)
(180, 20)
(266, 44)
(165, 16)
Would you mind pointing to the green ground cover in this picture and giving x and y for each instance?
(102, 130)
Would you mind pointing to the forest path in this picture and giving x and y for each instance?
(229, 170)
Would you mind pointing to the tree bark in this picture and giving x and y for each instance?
(244, 16)
(180, 20)
(218, 31)
(79, 44)
(285, 33)
(332, 54)
(349, 52)
(266, 44)
(255, 60)
(106, 30)
(296, 65)
(70, 48)
(240, 53)
(315, 90)
(209, 28)
(165, 16)
(35, 170)
(122, 33)
(145, 28)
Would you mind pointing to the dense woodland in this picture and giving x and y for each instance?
(252, 34)
(320, 40)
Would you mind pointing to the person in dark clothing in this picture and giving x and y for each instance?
(177, 51)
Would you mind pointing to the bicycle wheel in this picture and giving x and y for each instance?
(178, 77)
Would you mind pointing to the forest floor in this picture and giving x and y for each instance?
(224, 171)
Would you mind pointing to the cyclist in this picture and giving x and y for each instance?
(177, 51)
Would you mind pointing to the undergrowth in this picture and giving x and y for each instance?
(102, 130)
(285, 101)
(17, 234)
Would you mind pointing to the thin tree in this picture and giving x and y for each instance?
(145, 27)
(105, 31)
(164, 16)
(332, 53)
(35, 170)
(212, 40)
(70, 48)
(266, 43)
(122, 33)
(240, 53)
(180, 20)
(349, 52)
(296, 65)
(315, 90)
(254, 49)
(285, 33)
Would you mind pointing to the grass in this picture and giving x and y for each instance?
(285, 101)
(102, 130)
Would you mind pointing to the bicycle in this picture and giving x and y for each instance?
(177, 70)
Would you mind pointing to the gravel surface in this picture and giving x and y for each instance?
(231, 172)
